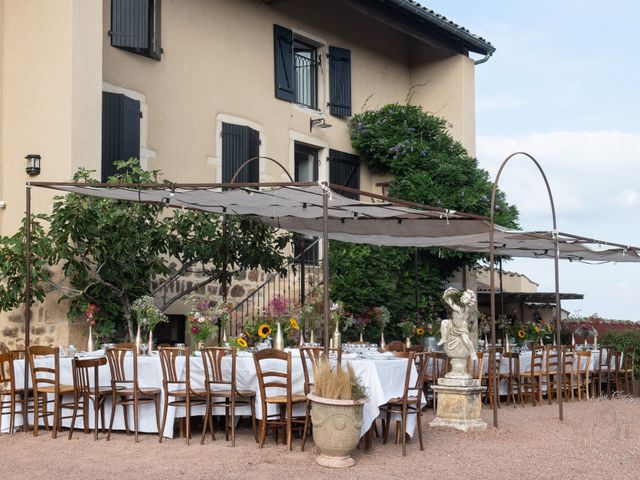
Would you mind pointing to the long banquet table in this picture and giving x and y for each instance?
(383, 376)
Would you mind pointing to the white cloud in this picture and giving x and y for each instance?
(627, 198)
(594, 177)
(591, 174)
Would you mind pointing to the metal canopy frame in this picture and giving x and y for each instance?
(390, 203)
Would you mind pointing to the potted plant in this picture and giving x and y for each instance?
(336, 415)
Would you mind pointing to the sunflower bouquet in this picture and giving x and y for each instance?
(240, 342)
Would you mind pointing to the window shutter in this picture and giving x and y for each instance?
(340, 81)
(283, 53)
(344, 169)
(135, 26)
(120, 131)
(239, 144)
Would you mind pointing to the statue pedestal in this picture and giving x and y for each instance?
(459, 404)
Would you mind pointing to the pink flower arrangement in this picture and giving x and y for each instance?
(278, 307)
(90, 313)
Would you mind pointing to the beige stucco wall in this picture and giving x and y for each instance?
(445, 86)
(51, 69)
(218, 66)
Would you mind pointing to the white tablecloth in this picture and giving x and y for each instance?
(383, 378)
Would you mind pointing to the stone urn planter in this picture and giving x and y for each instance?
(336, 429)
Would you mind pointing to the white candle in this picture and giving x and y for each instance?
(573, 339)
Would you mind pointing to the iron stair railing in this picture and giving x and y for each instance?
(303, 277)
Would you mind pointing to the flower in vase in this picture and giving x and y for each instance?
(294, 324)
(264, 331)
(241, 342)
(420, 331)
(521, 334)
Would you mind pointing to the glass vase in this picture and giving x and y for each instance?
(279, 341)
(337, 336)
(90, 344)
(150, 342)
(138, 340)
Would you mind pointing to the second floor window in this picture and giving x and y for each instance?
(305, 71)
(135, 27)
(297, 63)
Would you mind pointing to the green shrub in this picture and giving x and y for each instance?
(624, 341)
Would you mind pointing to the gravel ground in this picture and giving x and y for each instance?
(598, 439)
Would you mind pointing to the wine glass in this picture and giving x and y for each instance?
(144, 347)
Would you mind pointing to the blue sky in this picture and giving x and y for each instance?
(562, 87)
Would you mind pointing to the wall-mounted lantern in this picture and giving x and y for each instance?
(33, 164)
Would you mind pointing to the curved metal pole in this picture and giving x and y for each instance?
(241, 167)
(492, 283)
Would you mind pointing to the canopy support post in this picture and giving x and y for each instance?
(27, 309)
(325, 261)
(492, 280)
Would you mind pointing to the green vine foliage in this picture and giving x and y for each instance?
(428, 167)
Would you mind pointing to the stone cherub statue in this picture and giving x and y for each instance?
(455, 331)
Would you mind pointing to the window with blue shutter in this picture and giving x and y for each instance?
(344, 169)
(239, 144)
(283, 51)
(120, 131)
(340, 81)
(135, 26)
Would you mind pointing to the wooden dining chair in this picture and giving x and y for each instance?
(550, 372)
(88, 392)
(126, 391)
(177, 392)
(11, 397)
(475, 368)
(626, 377)
(512, 377)
(45, 379)
(614, 362)
(583, 367)
(494, 363)
(439, 368)
(274, 373)
(531, 380)
(568, 372)
(224, 392)
(410, 403)
(600, 371)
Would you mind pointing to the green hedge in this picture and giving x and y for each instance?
(623, 341)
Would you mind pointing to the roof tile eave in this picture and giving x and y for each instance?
(472, 42)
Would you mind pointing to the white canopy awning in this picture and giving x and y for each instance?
(299, 209)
